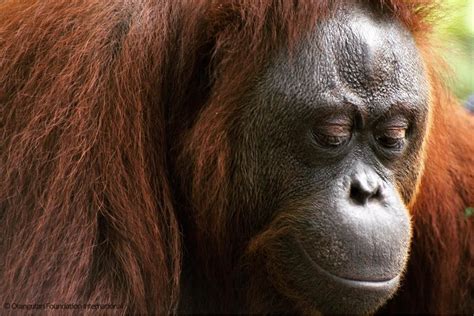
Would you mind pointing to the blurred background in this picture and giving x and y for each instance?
(456, 32)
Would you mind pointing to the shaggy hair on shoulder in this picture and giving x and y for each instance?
(104, 103)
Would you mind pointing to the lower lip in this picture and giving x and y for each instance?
(353, 283)
(360, 284)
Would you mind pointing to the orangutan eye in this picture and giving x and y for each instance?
(391, 135)
(333, 135)
(331, 141)
(392, 138)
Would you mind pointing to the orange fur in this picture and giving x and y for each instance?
(100, 99)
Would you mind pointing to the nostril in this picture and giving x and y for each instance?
(361, 194)
(378, 194)
(357, 194)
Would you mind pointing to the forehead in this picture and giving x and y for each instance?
(354, 57)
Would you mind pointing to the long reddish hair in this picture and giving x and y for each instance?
(103, 103)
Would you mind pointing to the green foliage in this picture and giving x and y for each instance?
(457, 33)
(468, 212)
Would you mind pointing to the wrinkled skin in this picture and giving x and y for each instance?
(327, 136)
(334, 130)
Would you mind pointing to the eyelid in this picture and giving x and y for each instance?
(331, 141)
(397, 126)
(394, 123)
(336, 126)
(399, 132)
(337, 129)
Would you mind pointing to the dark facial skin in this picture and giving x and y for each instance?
(334, 134)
